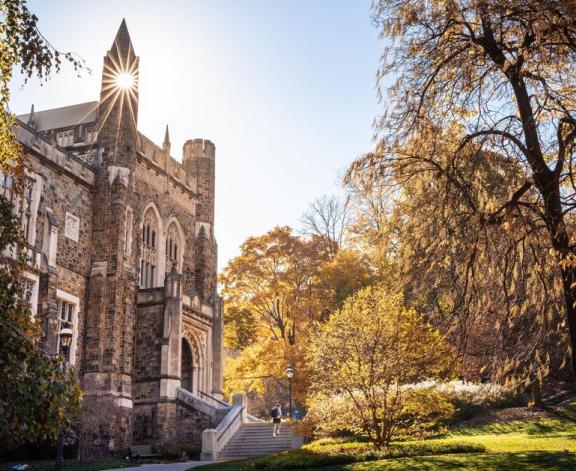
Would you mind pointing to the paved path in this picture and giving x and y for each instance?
(165, 466)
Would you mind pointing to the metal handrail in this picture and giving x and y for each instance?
(221, 434)
(222, 403)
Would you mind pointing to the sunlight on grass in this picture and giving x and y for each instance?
(493, 462)
(543, 445)
(547, 435)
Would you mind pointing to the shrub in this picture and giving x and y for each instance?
(471, 399)
(328, 452)
(365, 359)
(176, 452)
(423, 412)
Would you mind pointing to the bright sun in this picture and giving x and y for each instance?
(125, 80)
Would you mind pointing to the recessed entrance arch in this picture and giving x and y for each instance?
(187, 366)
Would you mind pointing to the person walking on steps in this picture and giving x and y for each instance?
(276, 414)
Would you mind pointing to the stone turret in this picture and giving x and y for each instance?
(199, 159)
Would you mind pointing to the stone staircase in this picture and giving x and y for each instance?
(255, 439)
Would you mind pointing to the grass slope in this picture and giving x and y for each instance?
(544, 445)
(491, 461)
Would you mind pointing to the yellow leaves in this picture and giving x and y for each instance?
(569, 261)
(378, 340)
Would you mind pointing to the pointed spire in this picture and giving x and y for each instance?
(122, 44)
(31, 118)
(167, 136)
(166, 144)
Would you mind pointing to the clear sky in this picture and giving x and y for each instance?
(284, 88)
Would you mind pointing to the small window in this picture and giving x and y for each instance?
(65, 311)
(30, 291)
(68, 312)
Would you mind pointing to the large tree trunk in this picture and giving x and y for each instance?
(568, 280)
(548, 183)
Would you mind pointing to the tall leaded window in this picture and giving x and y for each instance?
(68, 306)
(173, 247)
(30, 291)
(128, 232)
(23, 207)
(149, 261)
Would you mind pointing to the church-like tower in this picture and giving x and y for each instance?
(108, 364)
(126, 256)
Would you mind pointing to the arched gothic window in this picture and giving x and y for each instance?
(149, 261)
(173, 248)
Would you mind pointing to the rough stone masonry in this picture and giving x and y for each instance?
(121, 239)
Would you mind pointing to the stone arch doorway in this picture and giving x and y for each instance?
(187, 367)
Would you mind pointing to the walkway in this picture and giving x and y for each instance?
(182, 466)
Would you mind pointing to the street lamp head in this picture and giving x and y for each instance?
(66, 336)
(290, 372)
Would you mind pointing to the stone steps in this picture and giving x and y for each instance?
(256, 440)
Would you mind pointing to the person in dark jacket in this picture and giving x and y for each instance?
(276, 415)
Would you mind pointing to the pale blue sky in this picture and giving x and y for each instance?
(284, 88)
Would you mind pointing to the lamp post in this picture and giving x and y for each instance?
(290, 375)
(65, 341)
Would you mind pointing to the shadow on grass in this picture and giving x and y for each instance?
(336, 455)
(529, 428)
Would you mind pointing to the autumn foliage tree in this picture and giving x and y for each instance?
(275, 290)
(367, 360)
(35, 397)
(479, 127)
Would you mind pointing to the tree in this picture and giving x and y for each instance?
(500, 77)
(33, 392)
(327, 219)
(271, 299)
(371, 353)
(35, 397)
(340, 277)
(22, 44)
(275, 290)
(272, 279)
(490, 288)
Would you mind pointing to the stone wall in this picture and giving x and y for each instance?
(62, 193)
(169, 423)
(147, 352)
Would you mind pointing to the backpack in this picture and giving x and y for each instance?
(274, 413)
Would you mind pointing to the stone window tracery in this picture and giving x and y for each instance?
(25, 204)
(173, 248)
(22, 204)
(149, 261)
(68, 307)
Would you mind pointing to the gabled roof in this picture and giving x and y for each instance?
(56, 118)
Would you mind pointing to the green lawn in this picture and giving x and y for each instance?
(488, 461)
(552, 435)
(544, 445)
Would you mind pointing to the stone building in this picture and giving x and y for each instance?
(121, 243)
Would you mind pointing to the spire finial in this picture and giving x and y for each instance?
(31, 118)
(166, 136)
(166, 144)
